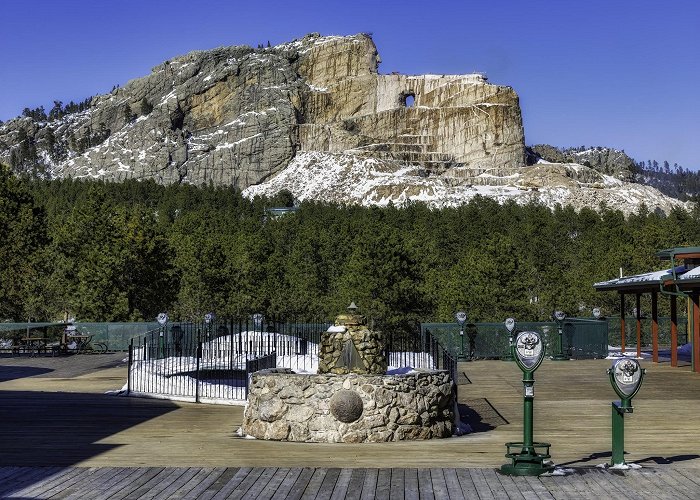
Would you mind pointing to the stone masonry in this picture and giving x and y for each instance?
(354, 408)
(351, 347)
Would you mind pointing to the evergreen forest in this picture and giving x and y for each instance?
(100, 251)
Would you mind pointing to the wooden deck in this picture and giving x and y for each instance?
(61, 432)
(324, 483)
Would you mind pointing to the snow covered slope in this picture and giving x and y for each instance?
(351, 179)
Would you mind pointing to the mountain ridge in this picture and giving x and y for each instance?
(253, 117)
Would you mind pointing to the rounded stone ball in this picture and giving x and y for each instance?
(346, 406)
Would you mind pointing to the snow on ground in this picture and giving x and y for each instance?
(356, 179)
(174, 377)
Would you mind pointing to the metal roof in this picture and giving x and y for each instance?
(679, 253)
(640, 282)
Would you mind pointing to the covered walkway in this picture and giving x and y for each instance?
(681, 279)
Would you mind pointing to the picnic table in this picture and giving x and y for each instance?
(32, 344)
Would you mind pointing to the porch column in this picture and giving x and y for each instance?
(696, 333)
(654, 327)
(674, 332)
(639, 324)
(622, 322)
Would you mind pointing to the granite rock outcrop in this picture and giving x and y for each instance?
(238, 115)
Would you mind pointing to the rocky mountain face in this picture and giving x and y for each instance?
(604, 160)
(237, 115)
(314, 116)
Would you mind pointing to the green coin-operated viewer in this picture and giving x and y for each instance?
(510, 326)
(626, 378)
(526, 460)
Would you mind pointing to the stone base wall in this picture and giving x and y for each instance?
(329, 408)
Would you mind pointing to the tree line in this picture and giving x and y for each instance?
(126, 251)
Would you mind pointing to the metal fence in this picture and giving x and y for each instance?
(421, 350)
(212, 362)
(631, 331)
(581, 338)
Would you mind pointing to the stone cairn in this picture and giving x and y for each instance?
(349, 346)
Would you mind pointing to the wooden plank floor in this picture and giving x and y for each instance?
(332, 483)
(62, 437)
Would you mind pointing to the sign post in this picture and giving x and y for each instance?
(526, 459)
(626, 376)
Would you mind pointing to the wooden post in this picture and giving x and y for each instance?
(696, 334)
(654, 327)
(622, 322)
(674, 332)
(639, 324)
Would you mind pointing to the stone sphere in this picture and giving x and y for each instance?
(346, 406)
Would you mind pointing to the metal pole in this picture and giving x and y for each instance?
(131, 361)
(618, 434)
(199, 356)
(528, 406)
(674, 331)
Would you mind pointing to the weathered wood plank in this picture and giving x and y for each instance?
(639, 479)
(452, 484)
(135, 489)
(369, 485)
(466, 483)
(357, 480)
(329, 482)
(189, 475)
(99, 476)
(274, 483)
(425, 484)
(53, 484)
(27, 477)
(265, 477)
(383, 483)
(574, 487)
(480, 484)
(300, 485)
(397, 487)
(691, 475)
(111, 485)
(410, 478)
(679, 483)
(537, 487)
(232, 482)
(340, 491)
(208, 478)
(314, 485)
(493, 481)
(607, 481)
(287, 483)
(439, 485)
(155, 488)
(239, 484)
(221, 480)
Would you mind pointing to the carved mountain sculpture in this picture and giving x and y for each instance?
(286, 116)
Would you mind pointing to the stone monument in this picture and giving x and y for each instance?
(351, 399)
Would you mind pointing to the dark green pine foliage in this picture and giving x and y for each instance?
(108, 251)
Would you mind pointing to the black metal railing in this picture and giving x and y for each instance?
(213, 361)
(419, 349)
(210, 362)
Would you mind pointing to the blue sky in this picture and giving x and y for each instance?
(619, 73)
